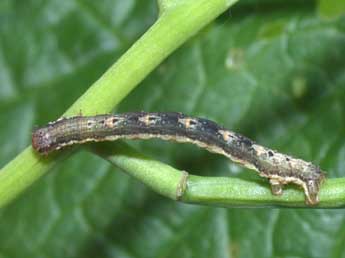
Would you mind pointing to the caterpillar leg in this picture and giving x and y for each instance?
(276, 187)
(311, 189)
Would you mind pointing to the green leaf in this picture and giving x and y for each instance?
(274, 73)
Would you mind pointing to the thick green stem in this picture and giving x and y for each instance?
(177, 22)
(215, 191)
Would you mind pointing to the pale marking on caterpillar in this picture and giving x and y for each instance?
(279, 168)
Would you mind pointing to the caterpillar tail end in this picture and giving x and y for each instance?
(312, 189)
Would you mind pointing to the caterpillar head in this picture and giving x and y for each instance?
(42, 141)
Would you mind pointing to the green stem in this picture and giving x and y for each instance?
(177, 22)
(215, 191)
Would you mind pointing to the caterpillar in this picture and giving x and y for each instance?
(279, 168)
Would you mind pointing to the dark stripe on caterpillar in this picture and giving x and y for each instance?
(279, 168)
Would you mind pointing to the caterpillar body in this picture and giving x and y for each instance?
(279, 168)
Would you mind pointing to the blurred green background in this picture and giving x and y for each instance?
(272, 70)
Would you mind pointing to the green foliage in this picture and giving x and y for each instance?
(270, 71)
